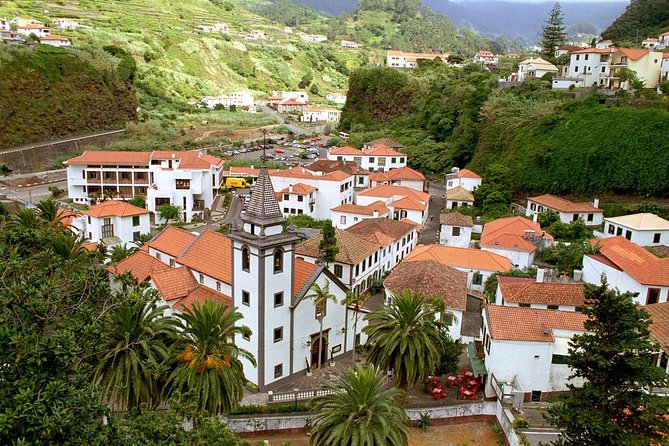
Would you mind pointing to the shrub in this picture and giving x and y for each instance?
(521, 423)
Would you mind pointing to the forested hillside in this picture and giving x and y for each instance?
(641, 19)
(51, 92)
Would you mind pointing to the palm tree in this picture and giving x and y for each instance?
(120, 252)
(357, 301)
(49, 211)
(142, 239)
(404, 337)
(359, 412)
(136, 344)
(320, 296)
(209, 363)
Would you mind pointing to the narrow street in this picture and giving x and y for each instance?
(281, 120)
(429, 234)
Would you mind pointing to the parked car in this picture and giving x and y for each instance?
(278, 151)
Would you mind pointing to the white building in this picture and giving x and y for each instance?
(187, 179)
(215, 28)
(313, 114)
(21, 22)
(456, 229)
(337, 98)
(301, 95)
(663, 41)
(464, 178)
(350, 45)
(4, 24)
(479, 265)
(485, 57)
(346, 215)
(590, 66)
(567, 210)
(528, 347)
(403, 202)
(396, 238)
(37, 30)
(257, 35)
(52, 40)
(114, 222)
(379, 157)
(650, 43)
(628, 267)
(401, 59)
(535, 68)
(236, 98)
(430, 278)
(66, 23)
(297, 199)
(530, 293)
(402, 176)
(315, 38)
(664, 69)
(516, 238)
(459, 197)
(326, 166)
(643, 229)
(659, 314)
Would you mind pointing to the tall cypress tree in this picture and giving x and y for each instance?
(612, 407)
(552, 34)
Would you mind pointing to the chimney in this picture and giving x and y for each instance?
(535, 218)
(290, 189)
(174, 155)
(540, 274)
(376, 214)
(595, 202)
(545, 331)
(529, 233)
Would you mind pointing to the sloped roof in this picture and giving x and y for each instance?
(116, 158)
(596, 50)
(140, 264)
(510, 233)
(643, 266)
(345, 150)
(302, 272)
(563, 205)
(430, 279)
(306, 174)
(55, 37)
(383, 231)
(634, 53)
(409, 203)
(659, 329)
(382, 150)
(172, 241)
(352, 248)
(547, 293)
(466, 173)
(460, 257)
(530, 324)
(174, 283)
(263, 207)
(456, 219)
(114, 208)
(387, 191)
(459, 194)
(379, 177)
(404, 173)
(211, 254)
(350, 208)
(539, 63)
(298, 189)
(200, 295)
(641, 222)
(386, 141)
(326, 166)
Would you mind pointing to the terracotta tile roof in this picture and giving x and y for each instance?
(459, 194)
(659, 329)
(510, 233)
(408, 203)
(54, 37)
(404, 173)
(298, 189)
(382, 150)
(640, 264)
(530, 324)
(66, 217)
(539, 63)
(345, 150)
(352, 248)
(379, 177)
(109, 157)
(466, 173)
(306, 174)
(562, 205)
(114, 208)
(388, 191)
(210, 254)
(430, 279)
(596, 50)
(507, 279)
(172, 241)
(634, 53)
(140, 264)
(386, 141)
(460, 257)
(327, 166)
(383, 231)
(200, 295)
(548, 293)
(241, 170)
(90, 246)
(350, 208)
(456, 219)
(641, 222)
(302, 272)
(188, 159)
(174, 283)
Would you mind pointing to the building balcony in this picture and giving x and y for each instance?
(125, 181)
(141, 180)
(93, 180)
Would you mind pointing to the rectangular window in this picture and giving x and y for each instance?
(456, 231)
(653, 296)
(135, 235)
(286, 197)
(246, 298)
(107, 228)
(559, 359)
(574, 217)
(657, 237)
(553, 307)
(628, 234)
(536, 396)
(172, 263)
(338, 271)
(158, 255)
(477, 279)
(135, 220)
(278, 299)
(300, 198)
(591, 217)
(183, 184)
(201, 278)
(218, 286)
(612, 229)
(342, 219)
(393, 160)
(619, 231)
(278, 370)
(278, 334)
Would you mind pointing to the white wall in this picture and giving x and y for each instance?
(462, 241)
(565, 217)
(123, 227)
(519, 259)
(641, 238)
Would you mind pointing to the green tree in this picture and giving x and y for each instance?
(169, 212)
(547, 218)
(142, 239)
(306, 80)
(450, 355)
(138, 201)
(359, 412)
(49, 211)
(5, 170)
(612, 407)
(135, 347)
(357, 301)
(403, 337)
(120, 252)
(328, 244)
(553, 34)
(209, 363)
(320, 295)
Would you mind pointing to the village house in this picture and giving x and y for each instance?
(403, 202)
(361, 176)
(10, 37)
(456, 229)
(297, 199)
(375, 158)
(659, 314)
(479, 265)
(66, 23)
(587, 67)
(4, 24)
(433, 280)
(313, 114)
(384, 141)
(526, 349)
(459, 197)
(346, 215)
(628, 267)
(644, 229)
(663, 41)
(236, 98)
(464, 178)
(402, 176)
(485, 58)
(186, 179)
(664, 70)
(257, 35)
(534, 68)
(314, 38)
(21, 22)
(36, 30)
(566, 49)
(401, 59)
(350, 45)
(216, 28)
(650, 43)
(254, 269)
(532, 293)
(396, 238)
(113, 222)
(337, 98)
(53, 40)
(516, 238)
(567, 210)
(646, 64)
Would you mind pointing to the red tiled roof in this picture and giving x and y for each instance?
(634, 53)
(379, 177)
(387, 191)
(346, 150)
(383, 231)
(507, 279)
(408, 203)
(210, 254)
(382, 150)
(109, 157)
(200, 295)
(643, 266)
(430, 279)
(659, 328)
(530, 324)
(114, 208)
(459, 193)
(460, 257)
(562, 205)
(596, 50)
(404, 173)
(140, 264)
(325, 165)
(352, 248)
(510, 233)
(298, 189)
(456, 219)
(350, 208)
(547, 293)
(303, 173)
(302, 271)
(54, 37)
(466, 173)
(188, 159)
(174, 283)
(172, 241)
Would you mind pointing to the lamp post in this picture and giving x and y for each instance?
(295, 390)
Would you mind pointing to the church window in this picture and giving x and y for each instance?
(246, 259)
(246, 298)
(278, 260)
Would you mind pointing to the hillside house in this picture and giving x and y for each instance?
(464, 178)
(402, 176)
(664, 69)
(644, 62)
(314, 38)
(663, 41)
(485, 58)
(530, 293)
(659, 314)
(337, 98)
(401, 59)
(376, 158)
(313, 114)
(535, 68)
(650, 43)
(516, 238)
(567, 210)
(456, 229)
(257, 34)
(66, 23)
(58, 41)
(350, 45)
(114, 222)
(236, 98)
(215, 28)
(587, 67)
(21, 22)
(643, 229)
(403, 202)
(458, 197)
(327, 166)
(628, 267)
(36, 30)
(346, 215)
(10, 37)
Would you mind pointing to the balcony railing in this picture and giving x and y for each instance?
(94, 180)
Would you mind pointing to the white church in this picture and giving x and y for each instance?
(255, 269)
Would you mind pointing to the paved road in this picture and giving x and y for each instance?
(428, 235)
(537, 437)
(281, 120)
(59, 141)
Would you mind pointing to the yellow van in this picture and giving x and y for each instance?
(236, 182)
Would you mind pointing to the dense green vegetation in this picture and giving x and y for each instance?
(641, 19)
